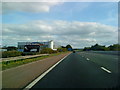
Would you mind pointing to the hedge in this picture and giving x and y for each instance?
(48, 51)
(7, 54)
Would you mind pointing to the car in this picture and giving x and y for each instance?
(73, 51)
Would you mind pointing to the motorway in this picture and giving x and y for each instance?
(83, 70)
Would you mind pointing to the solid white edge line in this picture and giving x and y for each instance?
(41, 76)
(106, 70)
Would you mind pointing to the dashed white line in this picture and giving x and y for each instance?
(115, 58)
(106, 70)
(88, 59)
(41, 76)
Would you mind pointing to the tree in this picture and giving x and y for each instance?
(86, 49)
(63, 47)
(114, 47)
(96, 47)
(11, 48)
(69, 48)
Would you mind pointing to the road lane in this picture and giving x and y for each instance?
(104, 60)
(22, 75)
(77, 72)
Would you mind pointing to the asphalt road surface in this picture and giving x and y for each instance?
(82, 70)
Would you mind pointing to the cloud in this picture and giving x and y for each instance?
(32, 7)
(61, 0)
(78, 34)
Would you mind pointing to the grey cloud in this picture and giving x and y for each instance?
(36, 7)
(78, 34)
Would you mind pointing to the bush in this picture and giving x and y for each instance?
(48, 51)
(7, 54)
(29, 53)
(62, 49)
(53, 51)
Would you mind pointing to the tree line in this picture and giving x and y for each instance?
(97, 47)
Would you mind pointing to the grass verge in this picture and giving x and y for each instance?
(14, 63)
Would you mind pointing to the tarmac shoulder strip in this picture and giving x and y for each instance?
(41, 76)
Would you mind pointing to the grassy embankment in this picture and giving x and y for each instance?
(14, 63)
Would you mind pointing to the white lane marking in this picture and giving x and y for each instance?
(115, 58)
(41, 76)
(88, 59)
(106, 70)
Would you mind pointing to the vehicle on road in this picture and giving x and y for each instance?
(73, 51)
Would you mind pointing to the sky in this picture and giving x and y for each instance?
(79, 24)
